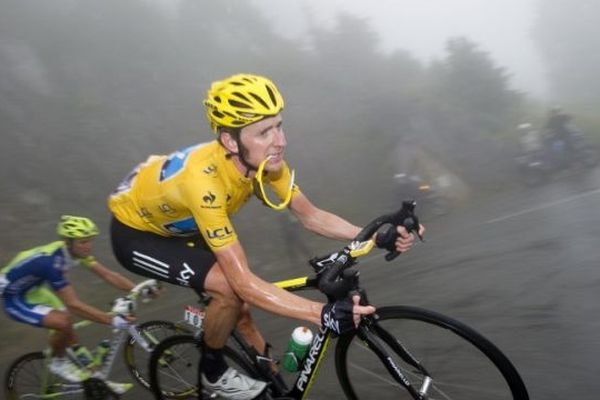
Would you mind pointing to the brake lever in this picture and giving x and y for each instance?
(407, 218)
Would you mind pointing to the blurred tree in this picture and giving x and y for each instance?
(468, 80)
(364, 102)
(470, 105)
(88, 89)
(567, 34)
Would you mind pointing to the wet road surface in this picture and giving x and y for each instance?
(521, 267)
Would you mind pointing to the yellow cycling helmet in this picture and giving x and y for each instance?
(73, 227)
(241, 100)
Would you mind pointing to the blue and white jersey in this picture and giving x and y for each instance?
(32, 268)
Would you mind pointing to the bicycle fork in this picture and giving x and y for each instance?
(371, 334)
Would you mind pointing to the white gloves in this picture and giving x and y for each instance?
(122, 305)
(119, 322)
(149, 292)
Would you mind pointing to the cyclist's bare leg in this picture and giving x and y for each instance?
(225, 311)
(222, 312)
(252, 335)
(249, 330)
(64, 335)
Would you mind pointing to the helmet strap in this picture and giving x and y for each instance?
(260, 172)
(69, 245)
(242, 151)
(249, 167)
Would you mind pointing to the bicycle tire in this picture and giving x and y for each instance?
(136, 358)
(174, 367)
(480, 370)
(28, 376)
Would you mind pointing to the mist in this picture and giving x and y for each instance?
(502, 28)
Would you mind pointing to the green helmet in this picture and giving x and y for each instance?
(73, 227)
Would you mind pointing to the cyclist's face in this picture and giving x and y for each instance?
(80, 248)
(262, 139)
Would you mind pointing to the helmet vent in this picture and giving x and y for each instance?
(272, 95)
(238, 104)
(261, 101)
(230, 115)
(240, 96)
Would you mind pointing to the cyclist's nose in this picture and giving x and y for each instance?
(279, 138)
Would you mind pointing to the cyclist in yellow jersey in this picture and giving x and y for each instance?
(35, 291)
(172, 222)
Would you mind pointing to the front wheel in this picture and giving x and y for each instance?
(532, 176)
(589, 157)
(461, 363)
(137, 357)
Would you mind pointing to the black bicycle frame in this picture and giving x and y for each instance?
(370, 332)
(372, 342)
(308, 369)
(311, 364)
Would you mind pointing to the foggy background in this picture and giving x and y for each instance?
(90, 88)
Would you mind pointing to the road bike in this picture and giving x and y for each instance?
(400, 352)
(28, 376)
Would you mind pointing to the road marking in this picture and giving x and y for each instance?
(544, 205)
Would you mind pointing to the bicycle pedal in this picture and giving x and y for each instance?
(206, 395)
(96, 389)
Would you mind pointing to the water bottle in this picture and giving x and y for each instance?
(83, 355)
(102, 351)
(297, 347)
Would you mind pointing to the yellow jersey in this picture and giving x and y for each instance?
(193, 190)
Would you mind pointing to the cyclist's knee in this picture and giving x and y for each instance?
(245, 314)
(245, 318)
(224, 300)
(219, 289)
(59, 320)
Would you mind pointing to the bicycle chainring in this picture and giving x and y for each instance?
(96, 389)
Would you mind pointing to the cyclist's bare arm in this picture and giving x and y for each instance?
(334, 227)
(78, 307)
(320, 221)
(114, 278)
(253, 290)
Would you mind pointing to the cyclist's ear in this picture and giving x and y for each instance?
(229, 141)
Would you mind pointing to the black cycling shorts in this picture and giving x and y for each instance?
(183, 261)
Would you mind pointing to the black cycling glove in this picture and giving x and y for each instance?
(338, 317)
